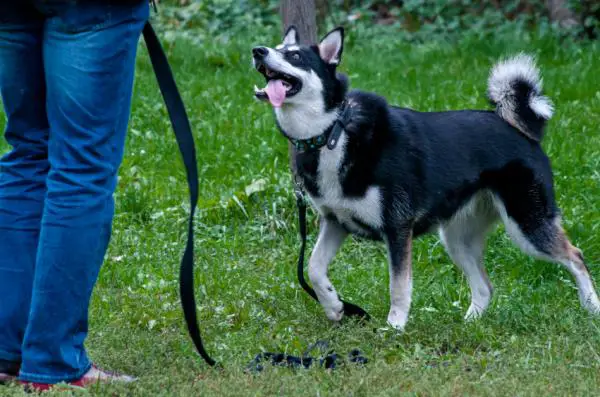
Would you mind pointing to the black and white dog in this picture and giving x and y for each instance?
(392, 174)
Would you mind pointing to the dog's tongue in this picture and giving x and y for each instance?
(276, 92)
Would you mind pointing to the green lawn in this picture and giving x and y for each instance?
(534, 340)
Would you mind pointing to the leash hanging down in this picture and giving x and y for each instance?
(350, 309)
(329, 139)
(185, 140)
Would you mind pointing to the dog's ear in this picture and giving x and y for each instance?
(331, 46)
(291, 36)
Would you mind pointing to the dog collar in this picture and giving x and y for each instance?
(331, 135)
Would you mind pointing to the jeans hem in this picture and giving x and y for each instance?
(52, 379)
(6, 356)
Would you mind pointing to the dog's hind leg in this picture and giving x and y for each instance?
(331, 237)
(547, 240)
(531, 220)
(399, 243)
(464, 237)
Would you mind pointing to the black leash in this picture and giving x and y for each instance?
(350, 309)
(329, 138)
(327, 359)
(330, 359)
(185, 140)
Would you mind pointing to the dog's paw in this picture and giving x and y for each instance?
(473, 313)
(592, 304)
(397, 319)
(334, 310)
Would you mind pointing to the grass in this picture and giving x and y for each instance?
(534, 340)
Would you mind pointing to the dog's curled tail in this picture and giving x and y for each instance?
(515, 88)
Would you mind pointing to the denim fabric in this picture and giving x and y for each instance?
(66, 78)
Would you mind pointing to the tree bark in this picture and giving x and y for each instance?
(301, 14)
(559, 12)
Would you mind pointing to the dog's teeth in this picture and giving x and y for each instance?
(257, 90)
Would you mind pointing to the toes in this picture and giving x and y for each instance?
(335, 311)
(472, 315)
(592, 304)
(474, 312)
(397, 319)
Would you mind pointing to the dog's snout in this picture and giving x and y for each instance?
(260, 52)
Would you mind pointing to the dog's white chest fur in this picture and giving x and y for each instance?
(366, 209)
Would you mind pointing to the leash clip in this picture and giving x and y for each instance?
(339, 125)
(336, 132)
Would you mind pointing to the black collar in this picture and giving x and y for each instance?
(331, 135)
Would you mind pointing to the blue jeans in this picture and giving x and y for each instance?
(66, 80)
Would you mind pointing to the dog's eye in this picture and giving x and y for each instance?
(296, 56)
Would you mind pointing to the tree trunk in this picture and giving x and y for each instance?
(559, 12)
(301, 14)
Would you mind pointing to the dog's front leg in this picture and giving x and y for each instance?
(331, 237)
(399, 244)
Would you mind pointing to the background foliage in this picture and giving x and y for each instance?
(415, 19)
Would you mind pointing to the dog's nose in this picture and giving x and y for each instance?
(260, 52)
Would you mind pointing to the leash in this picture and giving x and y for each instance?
(185, 140)
(328, 361)
(350, 309)
(330, 137)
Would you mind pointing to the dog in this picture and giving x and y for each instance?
(392, 174)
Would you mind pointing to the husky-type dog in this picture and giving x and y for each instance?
(392, 174)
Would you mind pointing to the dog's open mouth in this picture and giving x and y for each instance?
(279, 86)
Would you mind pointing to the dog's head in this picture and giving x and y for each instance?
(298, 74)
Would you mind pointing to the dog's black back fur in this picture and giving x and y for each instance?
(436, 161)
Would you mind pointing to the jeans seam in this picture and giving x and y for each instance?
(131, 24)
(31, 377)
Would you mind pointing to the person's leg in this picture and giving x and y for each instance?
(89, 59)
(23, 170)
